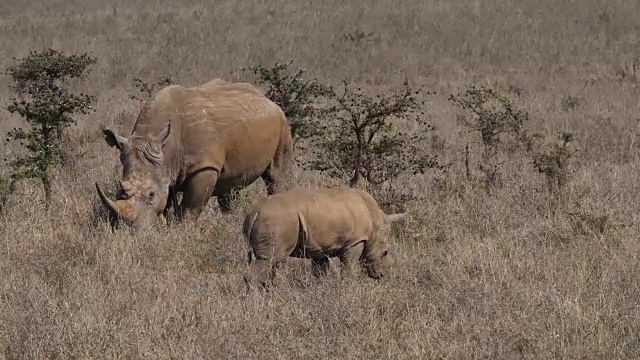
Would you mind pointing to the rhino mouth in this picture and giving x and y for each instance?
(121, 209)
(374, 273)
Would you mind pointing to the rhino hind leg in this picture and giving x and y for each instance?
(260, 275)
(197, 191)
(270, 181)
(277, 173)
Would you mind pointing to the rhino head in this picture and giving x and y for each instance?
(144, 186)
(375, 252)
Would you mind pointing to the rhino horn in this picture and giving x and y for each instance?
(397, 217)
(119, 208)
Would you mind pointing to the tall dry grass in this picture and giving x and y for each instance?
(472, 276)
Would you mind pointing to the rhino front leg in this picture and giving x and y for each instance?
(350, 259)
(196, 193)
(171, 209)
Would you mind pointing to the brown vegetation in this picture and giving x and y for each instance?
(507, 274)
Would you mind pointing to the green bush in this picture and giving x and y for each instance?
(46, 105)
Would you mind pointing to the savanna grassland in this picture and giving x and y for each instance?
(504, 275)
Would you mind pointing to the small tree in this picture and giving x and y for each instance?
(47, 106)
(147, 89)
(493, 116)
(361, 141)
(293, 94)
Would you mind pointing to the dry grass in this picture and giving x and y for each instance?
(473, 276)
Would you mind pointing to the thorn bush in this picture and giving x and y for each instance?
(493, 116)
(295, 96)
(360, 139)
(147, 89)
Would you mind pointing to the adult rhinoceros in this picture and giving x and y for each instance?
(202, 141)
(317, 224)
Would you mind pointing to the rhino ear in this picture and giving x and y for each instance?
(114, 140)
(162, 137)
(303, 233)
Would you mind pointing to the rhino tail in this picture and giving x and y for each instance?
(247, 228)
(303, 232)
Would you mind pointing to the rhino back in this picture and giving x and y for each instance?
(337, 219)
(334, 218)
(377, 215)
(232, 126)
(217, 124)
(157, 111)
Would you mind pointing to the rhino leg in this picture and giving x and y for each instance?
(270, 181)
(350, 259)
(260, 274)
(171, 209)
(275, 176)
(197, 191)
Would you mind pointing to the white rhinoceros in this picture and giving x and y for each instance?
(318, 224)
(202, 141)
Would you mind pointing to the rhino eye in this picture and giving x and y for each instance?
(151, 195)
(385, 253)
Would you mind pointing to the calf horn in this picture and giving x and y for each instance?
(397, 217)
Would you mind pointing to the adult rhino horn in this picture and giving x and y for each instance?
(118, 208)
(108, 202)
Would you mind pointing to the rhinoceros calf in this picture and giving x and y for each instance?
(202, 141)
(318, 224)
